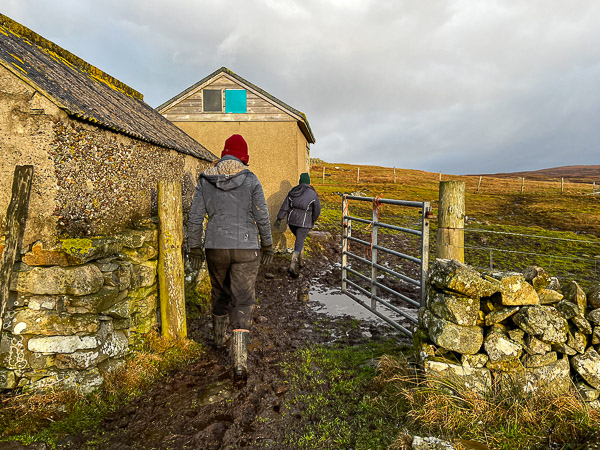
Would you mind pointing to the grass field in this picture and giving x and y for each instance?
(551, 224)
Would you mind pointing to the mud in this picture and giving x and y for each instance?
(202, 408)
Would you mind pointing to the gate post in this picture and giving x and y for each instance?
(170, 260)
(374, 257)
(345, 225)
(426, 213)
(451, 221)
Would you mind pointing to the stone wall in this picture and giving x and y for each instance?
(78, 309)
(524, 329)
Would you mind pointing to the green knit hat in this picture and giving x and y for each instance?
(304, 178)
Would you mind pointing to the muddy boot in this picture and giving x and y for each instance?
(301, 262)
(240, 354)
(293, 270)
(220, 324)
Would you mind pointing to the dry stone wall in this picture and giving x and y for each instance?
(510, 329)
(78, 309)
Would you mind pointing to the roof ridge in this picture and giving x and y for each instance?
(22, 31)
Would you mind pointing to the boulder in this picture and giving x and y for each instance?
(593, 297)
(567, 309)
(56, 280)
(554, 378)
(588, 366)
(516, 291)
(61, 344)
(141, 254)
(474, 379)
(143, 275)
(573, 293)
(461, 339)
(544, 322)
(582, 324)
(500, 348)
(50, 323)
(83, 359)
(594, 316)
(549, 296)
(587, 393)
(455, 276)
(537, 276)
(81, 251)
(476, 361)
(534, 346)
(458, 309)
(94, 303)
(517, 335)
(531, 361)
(499, 315)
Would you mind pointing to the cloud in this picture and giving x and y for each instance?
(457, 86)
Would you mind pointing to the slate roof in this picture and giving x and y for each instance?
(85, 92)
(302, 123)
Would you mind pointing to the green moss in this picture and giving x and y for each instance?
(76, 247)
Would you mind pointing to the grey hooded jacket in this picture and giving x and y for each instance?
(234, 201)
(301, 206)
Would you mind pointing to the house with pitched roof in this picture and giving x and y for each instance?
(278, 135)
(84, 287)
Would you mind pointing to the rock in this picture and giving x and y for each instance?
(38, 256)
(452, 275)
(476, 361)
(567, 309)
(588, 366)
(79, 360)
(461, 339)
(86, 381)
(95, 303)
(537, 276)
(573, 293)
(50, 323)
(518, 292)
(549, 296)
(554, 284)
(119, 310)
(554, 378)
(544, 322)
(430, 443)
(460, 310)
(143, 275)
(588, 393)
(596, 336)
(141, 254)
(39, 302)
(582, 324)
(509, 366)
(532, 361)
(499, 315)
(500, 348)
(133, 238)
(13, 352)
(7, 379)
(564, 349)
(61, 344)
(534, 346)
(517, 335)
(81, 251)
(55, 280)
(320, 235)
(478, 380)
(593, 297)
(594, 316)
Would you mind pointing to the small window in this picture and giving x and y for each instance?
(235, 101)
(212, 100)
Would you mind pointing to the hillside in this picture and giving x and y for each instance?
(573, 173)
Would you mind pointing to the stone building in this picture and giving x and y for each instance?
(84, 286)
(278, 135)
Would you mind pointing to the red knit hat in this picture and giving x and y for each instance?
(236, 146)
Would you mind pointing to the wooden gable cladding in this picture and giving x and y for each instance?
(259, 109)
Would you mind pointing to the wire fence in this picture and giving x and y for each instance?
(565, 258)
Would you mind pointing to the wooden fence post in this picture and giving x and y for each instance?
(323, 173)
(358, 175)
(15, 227)
(451, 221)
(170, 260)
(478, 184)
(522, 184)
(394, 175)
(562, 185)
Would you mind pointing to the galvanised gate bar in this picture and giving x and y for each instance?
(376, 267)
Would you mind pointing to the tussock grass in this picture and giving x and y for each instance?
(50, 415)
(502, 419)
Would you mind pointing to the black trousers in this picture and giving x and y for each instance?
(233, 277)
(300, 233)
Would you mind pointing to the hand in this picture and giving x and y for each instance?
(196, 257)
(266, 255)
(277, 225)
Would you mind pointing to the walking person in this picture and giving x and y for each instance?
(233, 199)
(302, 209)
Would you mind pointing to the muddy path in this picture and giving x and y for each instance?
(201, 407)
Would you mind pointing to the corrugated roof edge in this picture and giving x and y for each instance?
(309, 132)
(38, 40)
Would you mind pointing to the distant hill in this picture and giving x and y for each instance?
(573, 173)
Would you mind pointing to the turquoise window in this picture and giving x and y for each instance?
(235, 101)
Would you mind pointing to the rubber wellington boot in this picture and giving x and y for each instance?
(240, 354)
(293, 270)
(220, 324)
(301, 262)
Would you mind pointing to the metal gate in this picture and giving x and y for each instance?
(374, 224)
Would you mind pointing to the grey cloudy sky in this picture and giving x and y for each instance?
(462, 86)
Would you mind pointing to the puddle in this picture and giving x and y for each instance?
(335, 304)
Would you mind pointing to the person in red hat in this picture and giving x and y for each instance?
(238, 239)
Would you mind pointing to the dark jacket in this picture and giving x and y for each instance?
(234, 201)
(302, 206)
